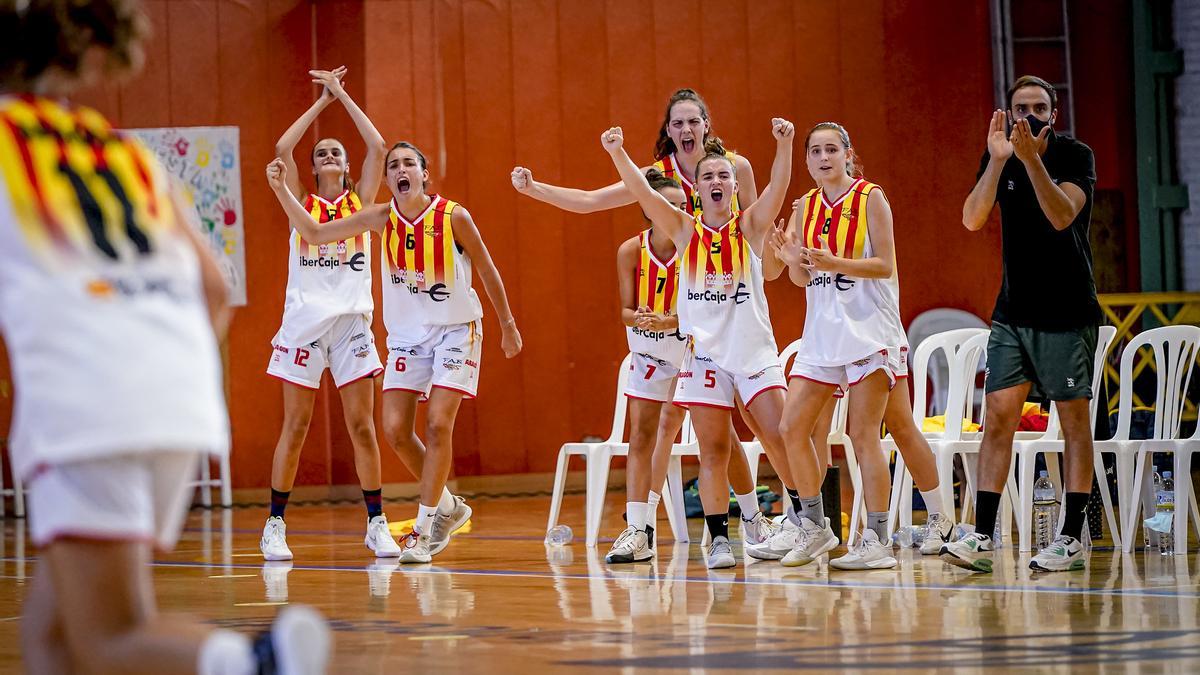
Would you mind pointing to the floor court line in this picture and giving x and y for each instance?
(848, 584)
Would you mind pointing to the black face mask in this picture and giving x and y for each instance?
(1036, 126)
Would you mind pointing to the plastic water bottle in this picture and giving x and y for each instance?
(1045, 511)
(1166, 504)
(904, 537)
(1150, 539)
(559, 535)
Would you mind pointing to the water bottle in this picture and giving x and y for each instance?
(1166, 504)
(559, 535)
(1149, 536)
(903, 537)
(1045, 511)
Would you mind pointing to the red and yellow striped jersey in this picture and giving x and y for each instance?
(669, 166)
(323, 211)
(422, 250)
(657, 282)
(716, 258)
(843, 222)
(79, 189)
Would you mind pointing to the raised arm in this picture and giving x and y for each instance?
(466, 235)
(747, 188)
(571, 199)
(372, 166)
(761, 214)
(372, 217)
(286, 144)
(982, 198)
(660, 211)
(1060, 203)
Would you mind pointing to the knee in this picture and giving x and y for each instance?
(863, 438)
(362, 431)
(642, 439)
(295, 428)
(1002, 421)
(439, 429)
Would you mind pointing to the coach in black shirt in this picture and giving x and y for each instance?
(1046, 317)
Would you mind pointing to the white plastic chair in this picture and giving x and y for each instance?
(936, 322)
(1052, 442)
(949, 343)
(1175, 350)
(206, 482)
(597, 457)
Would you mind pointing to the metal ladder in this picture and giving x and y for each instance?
(1019, 47)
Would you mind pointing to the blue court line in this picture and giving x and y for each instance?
(864, 585)
(359, 534)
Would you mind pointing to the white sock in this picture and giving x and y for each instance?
(652, 509)
(788, 511)
(933, 501)
(635, 513)
(424, 523)
(446, 504)
(225, 652)
(748, 504)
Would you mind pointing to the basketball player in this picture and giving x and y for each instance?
(684, 136)
(110, 307)
(433, 318)
(839, 247)
(723, 308)
(327, 319)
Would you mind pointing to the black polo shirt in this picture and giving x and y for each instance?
(1048, 282)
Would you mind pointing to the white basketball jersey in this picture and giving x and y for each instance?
(657, 287)
(427, 277)
(722, 303)
(101, 302)
(325, 281)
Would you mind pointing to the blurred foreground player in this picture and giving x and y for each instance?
(110, 307)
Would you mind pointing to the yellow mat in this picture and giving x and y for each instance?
(403, 527)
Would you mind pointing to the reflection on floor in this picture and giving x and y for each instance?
(499, 600)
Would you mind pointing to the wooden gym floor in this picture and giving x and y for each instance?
(498, 600)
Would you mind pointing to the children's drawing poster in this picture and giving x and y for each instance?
(205, 162)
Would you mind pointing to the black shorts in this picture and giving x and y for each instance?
(1058, 363)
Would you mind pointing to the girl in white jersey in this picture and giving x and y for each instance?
(723, 307)
(684, 138)
(839, 245)
(434, 323)
(327, 319)
(108, 304)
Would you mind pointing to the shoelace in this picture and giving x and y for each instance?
(627, 535)
(410, 537)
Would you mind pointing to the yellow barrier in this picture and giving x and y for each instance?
(1125, 311)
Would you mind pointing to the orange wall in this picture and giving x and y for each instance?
(481, 86)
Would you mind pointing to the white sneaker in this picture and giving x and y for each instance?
(720, 554)
(1064, 554)
(298, 643)
(275, 579)
(938, 531)
(868, 554)
(757, 530)
(811, 543)
(446, 525)
(414, 548)
(972, 552)
(379, 539)
(779, 544)
(632, 546)
(274, 540)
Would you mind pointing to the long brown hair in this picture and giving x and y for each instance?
(665, 146)
(45, 34)
(854, 166)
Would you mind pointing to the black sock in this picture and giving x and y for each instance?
(1076, 512)
(986, 506)
(279, 502)
(374, 502)
(650, 535)
(794, 497)
(718, 525)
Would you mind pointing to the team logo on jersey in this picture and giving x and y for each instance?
(438, 293)
(741, 294)
(712, 279)
(839, 281)
(357, 262)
